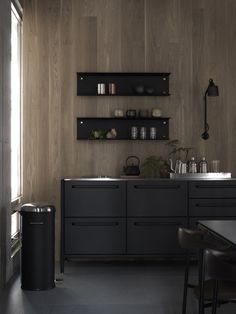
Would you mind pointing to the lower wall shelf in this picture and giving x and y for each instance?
(100, 128)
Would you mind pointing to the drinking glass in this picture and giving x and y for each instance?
(143, 133)
(215, 166)
(134, 132)
(153, 133)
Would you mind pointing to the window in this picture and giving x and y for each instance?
(16, 122)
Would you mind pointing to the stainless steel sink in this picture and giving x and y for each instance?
(202, 176)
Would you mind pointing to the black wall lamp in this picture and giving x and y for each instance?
(212, 90)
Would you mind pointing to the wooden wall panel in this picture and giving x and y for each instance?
(191, 39)
(69, 57)
(32, 107)
(132, 35)
(230, 82)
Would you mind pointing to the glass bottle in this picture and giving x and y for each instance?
(192, 166)
(203, 165)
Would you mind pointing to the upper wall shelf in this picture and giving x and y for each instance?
(122, 84)
(123, 127)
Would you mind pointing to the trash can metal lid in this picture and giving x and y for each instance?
(37, 208)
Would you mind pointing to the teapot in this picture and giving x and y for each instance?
(131, 167)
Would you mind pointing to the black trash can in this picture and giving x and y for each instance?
(38, 246)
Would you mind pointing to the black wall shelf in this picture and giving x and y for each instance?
(123, 126)
(126, 84)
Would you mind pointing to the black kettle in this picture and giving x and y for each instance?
(131, 167)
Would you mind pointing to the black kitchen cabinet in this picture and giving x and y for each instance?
(212, 207)
(154, 236)
(95, 199)
(156, 198)
(127, 218)
(95, 236)
(212, 200)
(155, 211)
(213, 189)
(93, 218)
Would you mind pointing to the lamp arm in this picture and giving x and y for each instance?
(205, 134)
(205, 113)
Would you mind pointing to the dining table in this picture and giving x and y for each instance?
(222, 229)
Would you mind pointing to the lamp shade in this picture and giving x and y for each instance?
(212, 89)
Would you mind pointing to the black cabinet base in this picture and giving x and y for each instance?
(122, 258)
(38, 289)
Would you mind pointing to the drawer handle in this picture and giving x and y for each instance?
(36, 223)
(155, 223)
(202, 186)
(94, 224)
(216, 205)
(165, 187)
(95, 186)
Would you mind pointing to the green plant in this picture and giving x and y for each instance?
(98, 134)
(178, 151)
(103, 134)
(156, 166)
(150, 168)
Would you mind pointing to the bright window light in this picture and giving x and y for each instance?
(15, 224)
(16, 169)
(15, 105)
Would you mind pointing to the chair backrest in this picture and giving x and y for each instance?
(191, 239)
(221, 265)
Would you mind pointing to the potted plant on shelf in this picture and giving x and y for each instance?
(103, 134)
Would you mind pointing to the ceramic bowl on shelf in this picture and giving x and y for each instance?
(149, 90)
(143, 113)
(139, 89)
(156, 112)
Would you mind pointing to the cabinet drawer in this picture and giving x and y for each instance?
(212, 189)
(212, 207)
(95, 236)
(154, 198)
(86, 199)
(153, 236)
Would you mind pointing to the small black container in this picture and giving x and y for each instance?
(38, 246)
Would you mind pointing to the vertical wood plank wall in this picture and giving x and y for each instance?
(194, 40)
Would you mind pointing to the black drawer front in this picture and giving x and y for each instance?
(154, 198)
(94, 199)
(95, 236)
(212, 207)
(212, 189)
(153, 236)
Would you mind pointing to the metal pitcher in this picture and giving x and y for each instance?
(180, 166)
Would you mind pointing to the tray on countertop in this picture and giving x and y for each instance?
(202, 176)
(130, 177)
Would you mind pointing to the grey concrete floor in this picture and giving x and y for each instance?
(108, 288)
